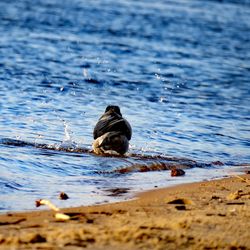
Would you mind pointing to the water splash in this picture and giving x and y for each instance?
(68, 141)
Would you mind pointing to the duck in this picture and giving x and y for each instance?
(111, 133)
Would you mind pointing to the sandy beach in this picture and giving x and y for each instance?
(206, 215)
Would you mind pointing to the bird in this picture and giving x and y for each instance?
(111, 133)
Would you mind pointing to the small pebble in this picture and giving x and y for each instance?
(63, 196)
(177, 172)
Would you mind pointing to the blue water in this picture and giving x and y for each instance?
(179, 70)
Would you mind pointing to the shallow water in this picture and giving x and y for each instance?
(179, 70)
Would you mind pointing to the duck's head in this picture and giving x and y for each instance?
(113, 108)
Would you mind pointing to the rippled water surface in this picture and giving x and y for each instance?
(179, 70)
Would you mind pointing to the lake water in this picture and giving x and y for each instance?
(179, 70)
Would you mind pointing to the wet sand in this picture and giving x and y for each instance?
(207, 215)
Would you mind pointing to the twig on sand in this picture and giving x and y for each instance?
(48, 203)
(241, 178)
(58, 216)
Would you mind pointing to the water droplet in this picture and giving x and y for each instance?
(162, 99)
(85, 72)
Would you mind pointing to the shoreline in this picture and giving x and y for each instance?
(212, 214)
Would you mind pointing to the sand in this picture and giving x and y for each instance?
(207, 215)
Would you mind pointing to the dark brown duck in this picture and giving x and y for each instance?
(112, 133)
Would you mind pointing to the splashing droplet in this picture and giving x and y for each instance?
(68, 140)
(85, 72)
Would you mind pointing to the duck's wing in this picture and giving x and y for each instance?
(112, 123)
(114, 141)
(127, 129)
